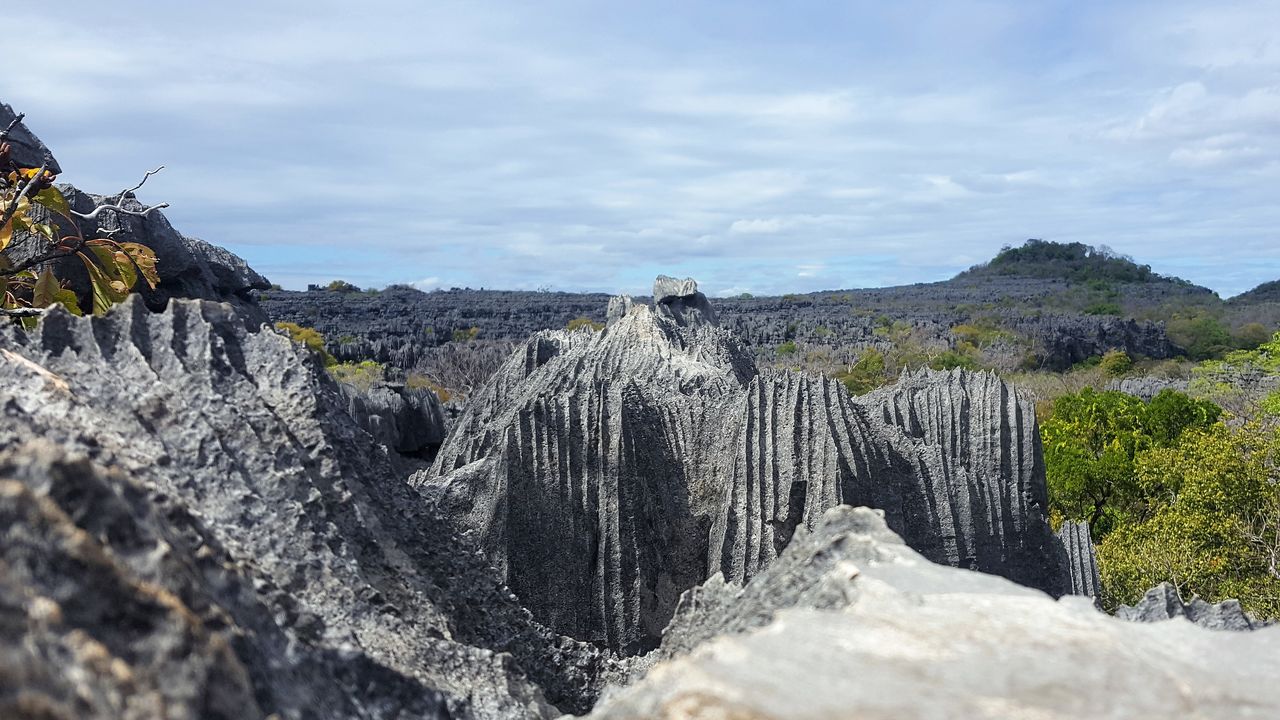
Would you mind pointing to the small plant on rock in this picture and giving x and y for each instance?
(33, 209)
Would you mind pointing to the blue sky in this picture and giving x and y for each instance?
(758, 146)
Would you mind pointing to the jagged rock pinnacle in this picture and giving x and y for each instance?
(604, 474)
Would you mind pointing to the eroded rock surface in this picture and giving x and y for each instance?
(1162, 602)
(850, 622)
(604, 474)
(252, 547)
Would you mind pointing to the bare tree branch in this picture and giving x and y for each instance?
(22, 312)
(118, 206)
(4, 134)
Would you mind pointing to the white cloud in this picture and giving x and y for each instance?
(556, 145)
(758, 226)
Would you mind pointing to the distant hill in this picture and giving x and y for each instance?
(1074, 262)
(1267, 292)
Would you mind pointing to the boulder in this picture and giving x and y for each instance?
(850, 622)
(1163, 602)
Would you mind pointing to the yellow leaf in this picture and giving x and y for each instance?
(54, 200)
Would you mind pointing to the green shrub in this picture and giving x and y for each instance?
(1210, 528)
(363, 375)
(309, 337)
(1092, 440)
(1115, 363)
(584, 322)
(1103, 308)
(951, 359)
(865, 375)
(417, 381)
(342, 286)
(461, 336)
(788, 348)
(1203, 336)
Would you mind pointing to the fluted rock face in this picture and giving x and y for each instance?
(407, 420)
(1162, 602)
(850, 622)
(250, 535)
(606, 473)
(1080, 559)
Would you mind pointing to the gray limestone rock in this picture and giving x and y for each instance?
(1162, 602)
(1080, 559)
(605, 473)
(409, 421)
(850, 622)
(301, 563)
(681, 301)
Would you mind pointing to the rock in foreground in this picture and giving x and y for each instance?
(852, 623)
(250, 551)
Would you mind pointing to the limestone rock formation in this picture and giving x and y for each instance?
(1080, 559)
(409, 421)
(605, 473)
(1162, 602)
(251, 551)
(850, 622)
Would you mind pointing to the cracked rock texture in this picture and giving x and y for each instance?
(850, 622)
(251, 551)
(605, 473)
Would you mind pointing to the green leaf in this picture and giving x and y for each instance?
(49, 291)
(117, 265)
(54, 200)
(145, 258)
(104, 295)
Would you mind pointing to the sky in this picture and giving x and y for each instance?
(757, 146)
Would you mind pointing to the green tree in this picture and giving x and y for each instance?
(1092, 440)
(1213, 528)
(867, 374)
(1115, 363)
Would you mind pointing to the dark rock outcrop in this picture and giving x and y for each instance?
(409, 421)
(1162, 602)
(249, 535)
(604, 474)
(850, 622)
(25, 148)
